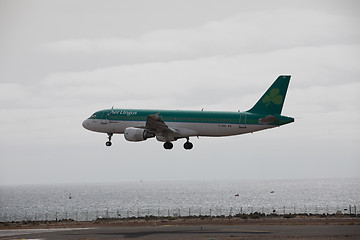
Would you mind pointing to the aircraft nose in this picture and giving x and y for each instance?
(85, 124)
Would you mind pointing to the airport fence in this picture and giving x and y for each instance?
(89, 215)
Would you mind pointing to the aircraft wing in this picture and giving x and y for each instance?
(156, 125)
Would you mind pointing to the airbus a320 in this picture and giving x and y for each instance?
(171, 125)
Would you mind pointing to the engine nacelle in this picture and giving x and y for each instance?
(137, 134)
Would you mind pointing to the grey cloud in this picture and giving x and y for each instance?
(63, 60)
(267, 31)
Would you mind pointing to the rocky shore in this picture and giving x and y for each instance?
(243, 219)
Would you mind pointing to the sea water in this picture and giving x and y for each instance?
(178, 198)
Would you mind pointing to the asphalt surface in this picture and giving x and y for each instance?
(210, 232)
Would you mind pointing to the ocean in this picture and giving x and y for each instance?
(82, 202)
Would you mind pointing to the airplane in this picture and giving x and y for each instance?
(170, 125)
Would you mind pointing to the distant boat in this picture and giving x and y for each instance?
(272, 191)
(236, 195)
(70, 196)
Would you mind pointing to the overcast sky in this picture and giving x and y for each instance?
(60, 61)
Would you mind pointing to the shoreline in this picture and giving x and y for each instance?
(244, 219)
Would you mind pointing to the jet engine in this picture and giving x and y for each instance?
(137, 134)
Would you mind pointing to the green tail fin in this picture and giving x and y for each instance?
(273, 99)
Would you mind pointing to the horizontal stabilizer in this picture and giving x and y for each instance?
(268, 119)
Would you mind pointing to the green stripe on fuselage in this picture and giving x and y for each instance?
(217, 117)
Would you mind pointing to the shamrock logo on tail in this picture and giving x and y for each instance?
(273, 97)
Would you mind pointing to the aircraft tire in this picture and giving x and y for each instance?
(168, 145)
(108, 143)
(188, 145)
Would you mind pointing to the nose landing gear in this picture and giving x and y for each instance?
(108, 143)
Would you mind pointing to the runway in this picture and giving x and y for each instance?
(212, 232)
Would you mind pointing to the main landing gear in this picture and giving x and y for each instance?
(187, 145)
(168, 145)
(108, 143)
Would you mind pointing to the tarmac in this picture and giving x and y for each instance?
(172, 232)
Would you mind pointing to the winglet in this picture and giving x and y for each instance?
(273, 99)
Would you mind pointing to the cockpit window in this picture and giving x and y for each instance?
(93, 116)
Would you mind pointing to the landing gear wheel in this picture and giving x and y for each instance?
(168, 145)
(108, 143)
(188, 145)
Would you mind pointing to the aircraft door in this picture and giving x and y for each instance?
(242, 120)
(105, 117)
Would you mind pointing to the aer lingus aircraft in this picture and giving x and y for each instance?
(170, 125)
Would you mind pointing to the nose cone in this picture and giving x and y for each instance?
(86, 124)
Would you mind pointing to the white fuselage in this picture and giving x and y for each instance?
(186, 128)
